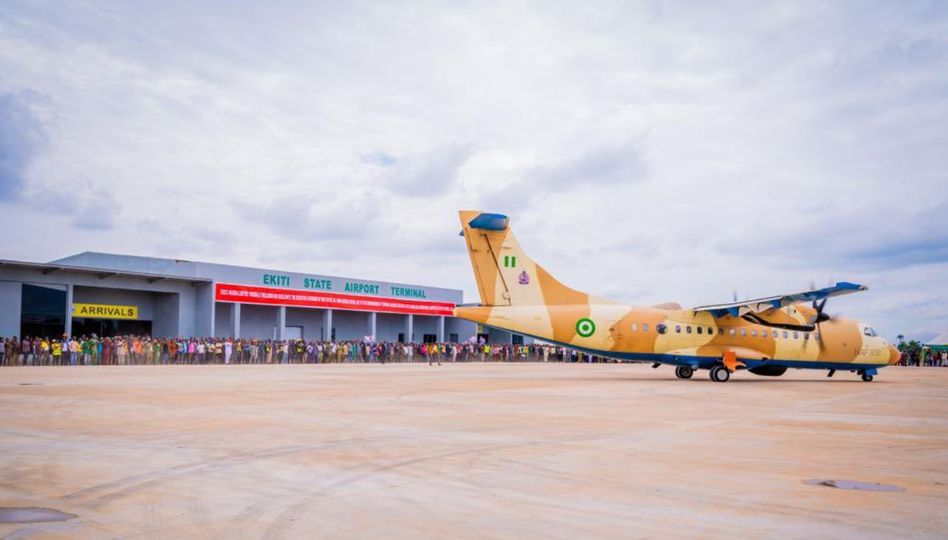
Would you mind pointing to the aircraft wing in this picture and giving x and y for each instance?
(760, 305)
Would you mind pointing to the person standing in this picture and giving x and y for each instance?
(108, 351)
(84, 351)
(57, 350)
(120, 351)
(26, 352)
(73, 351)
(43, 352)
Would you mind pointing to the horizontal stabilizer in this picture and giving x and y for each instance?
(489, 222)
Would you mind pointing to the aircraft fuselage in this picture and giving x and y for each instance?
(681, 337)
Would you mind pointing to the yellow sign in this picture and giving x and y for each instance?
(104, 311)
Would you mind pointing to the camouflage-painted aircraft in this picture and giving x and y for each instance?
(765, 336)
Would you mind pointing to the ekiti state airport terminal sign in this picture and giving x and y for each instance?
(274, 296)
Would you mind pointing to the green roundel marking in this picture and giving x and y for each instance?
(585, 327)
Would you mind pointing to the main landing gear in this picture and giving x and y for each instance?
(684, 372)
(866, 374)
(719, 374)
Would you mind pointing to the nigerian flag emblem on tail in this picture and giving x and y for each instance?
(510, 261)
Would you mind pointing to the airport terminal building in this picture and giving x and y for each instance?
(109, 294)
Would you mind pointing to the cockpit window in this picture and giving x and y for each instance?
(869, 331)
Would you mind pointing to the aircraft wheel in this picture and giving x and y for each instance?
(684, 372)
(866, 377)
(720, 374)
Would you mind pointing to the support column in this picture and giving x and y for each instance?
(409, 328)
(235, 319)
(373, 320)
(68, 328)
(327, 325)
(281, 322)
(441, 329)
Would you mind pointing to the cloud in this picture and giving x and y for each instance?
(22, 136)
(428, 173)
(96, 211)
(89, 207)
(380, 159)
(609, 166)
(879, 234)
(604, 165)
(321, 218)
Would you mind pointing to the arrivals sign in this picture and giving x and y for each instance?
(249, 294)
(104, 311)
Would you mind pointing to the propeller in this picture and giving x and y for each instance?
(820, 317)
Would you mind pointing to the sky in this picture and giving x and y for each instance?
(644, 151)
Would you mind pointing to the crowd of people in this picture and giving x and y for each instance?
(924, 357)
(129, 350)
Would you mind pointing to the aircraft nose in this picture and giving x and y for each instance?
(894, 355)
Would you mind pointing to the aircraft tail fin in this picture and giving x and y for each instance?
(505, 275)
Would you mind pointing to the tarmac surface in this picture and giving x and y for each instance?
(471, 451)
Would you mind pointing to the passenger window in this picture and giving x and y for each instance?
(645, 327)
(677, 328)
(634, 327)
(721, 330)
(753, 333)
(743, 332)
(661, 328)
(688, 329)
(796, 335)
(700, 329)
(786, 334)
(732, 332)
(806, 336)
(710, 330)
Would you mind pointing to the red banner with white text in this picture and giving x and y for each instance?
(248, 294)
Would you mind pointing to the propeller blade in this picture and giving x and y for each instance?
(820, 317)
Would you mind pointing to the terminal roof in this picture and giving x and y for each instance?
(101, 273)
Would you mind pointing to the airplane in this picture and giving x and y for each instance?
(765, 336)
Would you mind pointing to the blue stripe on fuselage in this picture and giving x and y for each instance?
(704, 362)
